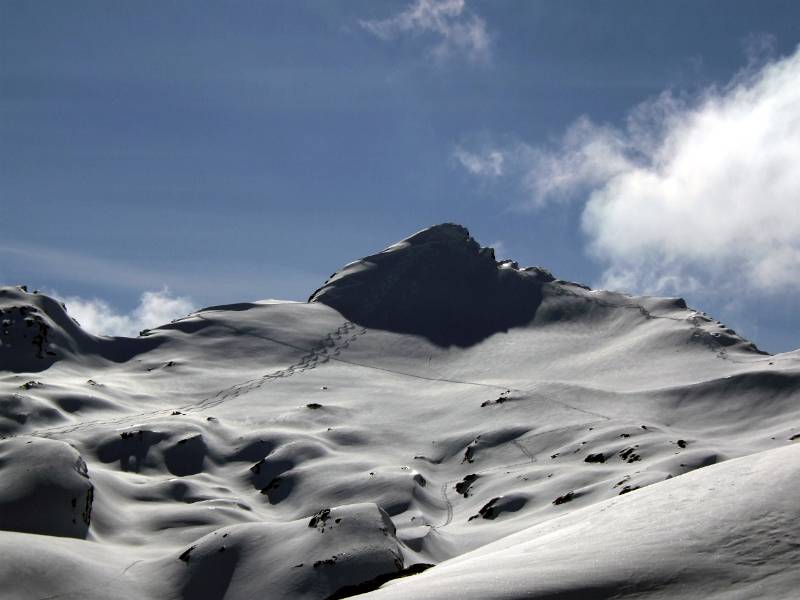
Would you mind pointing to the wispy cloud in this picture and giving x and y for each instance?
(488, 162)
(688, 194)
(458, 31)
(99, 317)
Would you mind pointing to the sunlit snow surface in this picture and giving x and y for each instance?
(609, 446)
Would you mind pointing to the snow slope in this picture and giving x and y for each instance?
(510, 434)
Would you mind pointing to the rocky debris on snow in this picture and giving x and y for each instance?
(463, 486)
(568, 497)
(499, 505)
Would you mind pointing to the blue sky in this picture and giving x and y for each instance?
(244, 150)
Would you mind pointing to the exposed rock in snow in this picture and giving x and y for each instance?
(438, 283)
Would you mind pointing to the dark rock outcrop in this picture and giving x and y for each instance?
(440, 284)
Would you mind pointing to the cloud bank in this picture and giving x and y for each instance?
(458, 31)
(687, 195)
(155, 308)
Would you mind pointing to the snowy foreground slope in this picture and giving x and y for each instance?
(432, 424)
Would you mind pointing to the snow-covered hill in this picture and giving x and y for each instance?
(510, 434)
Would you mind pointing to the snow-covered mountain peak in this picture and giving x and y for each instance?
(443, 232)
(438, 283)
(36, 331)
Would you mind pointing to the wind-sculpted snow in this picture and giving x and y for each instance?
(590, 445)
(715, 533)
(46, 488)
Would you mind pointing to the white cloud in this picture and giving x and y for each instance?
(488, 162)
(589, 155)
(459, 32)
(155, 308)
(688, 195)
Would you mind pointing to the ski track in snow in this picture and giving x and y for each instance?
(327, 349)
(82, 591)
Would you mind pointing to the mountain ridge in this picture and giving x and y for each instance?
(304, 452)
(441, 284)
